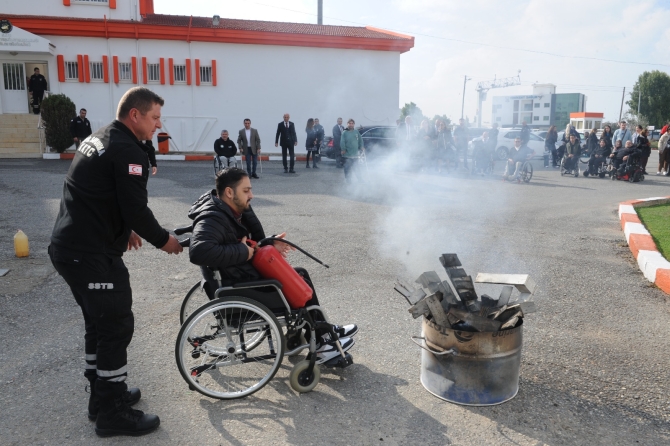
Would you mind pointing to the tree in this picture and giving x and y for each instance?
(652, 89)
(57, 112)
(411, 109)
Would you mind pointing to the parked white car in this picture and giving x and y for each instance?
(506, 142)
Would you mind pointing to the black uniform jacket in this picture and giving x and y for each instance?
(80, 128)
(105, 195)
(225, 148)
(215, 241)
(37, 82)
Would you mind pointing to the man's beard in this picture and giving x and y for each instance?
(240, 204)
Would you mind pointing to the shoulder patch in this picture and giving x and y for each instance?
(134, 169)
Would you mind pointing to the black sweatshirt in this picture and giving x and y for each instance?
(105, 195)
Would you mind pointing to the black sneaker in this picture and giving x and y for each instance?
(328, 350)
(253, 175)
(285, 170)
(291, 171)
(346, 331)
(315, 166)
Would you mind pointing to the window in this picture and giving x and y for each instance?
(528, 107)
(13, 76)
(546, 105)
(97, 73)
(179, 73)
(537, 105)
(71, 70)
(154, 72)
(125, 71)
(536, 118)
(205, 75)
(93, 2)
(545, 118)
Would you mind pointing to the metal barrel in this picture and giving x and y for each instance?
(471, 368)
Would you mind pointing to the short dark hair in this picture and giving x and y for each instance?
(83, 109)
(247, 119)
(36, 69)
(140, 98)
(229, 177)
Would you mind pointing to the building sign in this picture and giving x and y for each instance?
(18, 40)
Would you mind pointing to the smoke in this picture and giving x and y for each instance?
(426, 213)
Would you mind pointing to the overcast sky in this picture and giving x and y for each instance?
(487, 38)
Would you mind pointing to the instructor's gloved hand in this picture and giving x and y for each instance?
(172, 246)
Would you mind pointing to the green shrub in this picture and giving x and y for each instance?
(57, 112)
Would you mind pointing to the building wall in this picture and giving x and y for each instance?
(125, 9)
(539, 111)
(254, 81)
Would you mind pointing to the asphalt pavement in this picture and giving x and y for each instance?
(594, 364)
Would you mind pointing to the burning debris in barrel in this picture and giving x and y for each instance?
(454, 304)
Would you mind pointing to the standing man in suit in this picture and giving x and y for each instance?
(337, 135)
(287, 138)
(250, 146)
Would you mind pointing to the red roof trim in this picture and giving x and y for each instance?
(304, 35)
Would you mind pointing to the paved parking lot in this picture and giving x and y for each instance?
(594, 367)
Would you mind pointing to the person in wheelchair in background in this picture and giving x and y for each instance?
(599, 156)
(482, 153)
(571, 157)
(622, 157)
(223, 221)
(517, 156)
(224, 147)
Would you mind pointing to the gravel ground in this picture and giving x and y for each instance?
(592, 372)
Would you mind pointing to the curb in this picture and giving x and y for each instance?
(159, 157)
(652, 264)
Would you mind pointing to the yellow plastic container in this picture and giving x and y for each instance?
(21, 247)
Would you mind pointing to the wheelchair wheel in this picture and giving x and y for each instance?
(229, 348)
(303, 381)
(194, 299)
(218, 166)
(526, 172)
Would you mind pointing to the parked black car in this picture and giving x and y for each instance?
(378, 140)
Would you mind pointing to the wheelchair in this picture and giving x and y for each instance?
(233, 345)
(221, 162)
(630, 170)
(525, 173)
(483, 162)
(570, 170)
(598, 169)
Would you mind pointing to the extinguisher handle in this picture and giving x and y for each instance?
(270, 240)
(252, 243)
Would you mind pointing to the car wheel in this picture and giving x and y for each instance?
(502, 152)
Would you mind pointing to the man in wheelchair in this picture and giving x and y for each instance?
(598, 156)
(572, 151)
(223, 221)
(625, 158)
(225, 149)
(517, 156)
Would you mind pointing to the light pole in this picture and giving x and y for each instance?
(465, 81)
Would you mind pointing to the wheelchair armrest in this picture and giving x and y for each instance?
(183, 230)
(258, 283)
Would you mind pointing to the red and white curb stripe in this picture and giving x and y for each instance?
(652, 264)
(69, 156)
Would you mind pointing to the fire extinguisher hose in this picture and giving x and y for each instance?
(269, 240)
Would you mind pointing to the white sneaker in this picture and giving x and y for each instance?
(346, 331)
(329, 350)
(659, 173)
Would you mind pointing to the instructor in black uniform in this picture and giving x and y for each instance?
(80, 128)
(37, 85)
(103, 213)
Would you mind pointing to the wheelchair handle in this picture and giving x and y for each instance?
(183, 230)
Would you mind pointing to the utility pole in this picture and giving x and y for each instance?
(320, 20)
(639, 97)
(465, 81)
(485, 86)
(623, 95)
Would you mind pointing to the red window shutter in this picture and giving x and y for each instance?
(197, 72)
(61, 68)
(188, 71)
(214, 73)
(115, 63)
(105, 69)
(171, 70)
(66, 2)
(80, 63)
(145, 74)
(87, 70)
(134, 68)
(112, 4)
(162, 64)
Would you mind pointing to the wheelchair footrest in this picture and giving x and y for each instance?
(339, 361)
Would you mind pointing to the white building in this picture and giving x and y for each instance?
(211, 72)
(540, 110)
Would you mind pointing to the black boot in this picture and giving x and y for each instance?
(130, 396)
(116, 417)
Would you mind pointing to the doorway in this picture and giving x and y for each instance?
(14, 88)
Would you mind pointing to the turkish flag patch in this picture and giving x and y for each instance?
(135, 169)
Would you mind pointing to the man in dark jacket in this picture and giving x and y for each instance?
(80, 128)
(225, 147)
(37, 85)
(337, 135)
(287, 138)
(102, 214)
(223, 221)
(524, 134)
(572, 150)
(461, 139)
(598, 156)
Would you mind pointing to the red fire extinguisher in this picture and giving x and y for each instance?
(271, 265)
